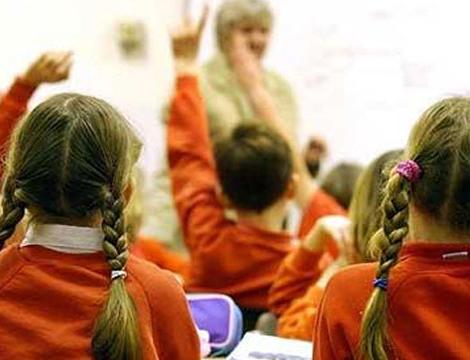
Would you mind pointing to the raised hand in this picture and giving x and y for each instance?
(328, 228)
(50, 67)
(185, 40)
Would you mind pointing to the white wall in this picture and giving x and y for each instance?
(88, 27)
(363, 70)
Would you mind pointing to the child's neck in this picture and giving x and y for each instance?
(270, 219)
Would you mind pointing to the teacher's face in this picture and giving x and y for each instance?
(256, 35)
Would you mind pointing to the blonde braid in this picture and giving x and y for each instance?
(395, 228)
(116, 335)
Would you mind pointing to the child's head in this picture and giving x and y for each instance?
(340, 182)
(255, 167)
(438, 187)
(365, 203)
(69, 163)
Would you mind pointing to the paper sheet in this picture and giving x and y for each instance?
(261, 347)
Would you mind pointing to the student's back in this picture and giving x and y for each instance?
(70, 288)
(253, 168)
(49, 302)
(428, 315)
(413, 304)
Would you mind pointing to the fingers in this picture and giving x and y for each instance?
(62, 69)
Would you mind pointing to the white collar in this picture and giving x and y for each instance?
(65, 238)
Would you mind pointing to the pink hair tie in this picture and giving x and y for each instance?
(410, 170)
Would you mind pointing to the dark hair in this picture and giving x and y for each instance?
(254, 166)
(70, 159)
(340, 182)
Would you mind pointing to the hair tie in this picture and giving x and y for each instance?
(115, 274)
(410, 170)
(381, 283)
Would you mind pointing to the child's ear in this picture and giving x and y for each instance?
(292, 186)
(222, 198)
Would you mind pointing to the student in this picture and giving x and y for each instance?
(314, 154)
(339, 182)
(238, 258)
(70, 288)
(300, 282)
(51, 67)
(413, 304)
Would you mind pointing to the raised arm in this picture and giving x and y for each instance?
(297, 289)
(48, 68)
(192, 165)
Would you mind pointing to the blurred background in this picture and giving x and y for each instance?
(361, 70)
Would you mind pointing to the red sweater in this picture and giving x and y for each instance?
(226, 257)
(428, 306)
(12, 106)
(294, 296)
(50, 300)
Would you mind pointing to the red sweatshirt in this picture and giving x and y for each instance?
(49, 302)
(294, 296)
(12, 106)
(428, 306)
(226, 257)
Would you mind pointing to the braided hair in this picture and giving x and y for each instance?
(440, 145)
(70, 160)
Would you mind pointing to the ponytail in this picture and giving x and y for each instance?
(13, 210)
(374, 344)
(116, 334)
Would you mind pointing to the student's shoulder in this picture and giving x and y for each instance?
(352, 282)
(158, 284)
(10, 263)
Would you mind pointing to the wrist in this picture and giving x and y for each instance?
(312, 246)
(315, 240)
(29, 81)
(186, 67)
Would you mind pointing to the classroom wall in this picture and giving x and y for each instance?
(363, 71)
(138, 87)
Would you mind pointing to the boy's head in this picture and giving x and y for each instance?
(255, 167)
(340, 182)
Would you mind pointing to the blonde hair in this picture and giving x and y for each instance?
(70, 160)
(365, 203)
(234, 12)
(440, 144)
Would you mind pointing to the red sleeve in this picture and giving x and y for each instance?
(320, 205)
(338, 323)
(299, 270)
(12, 106)
(192, 166)
(297, 322)
(173, 326)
